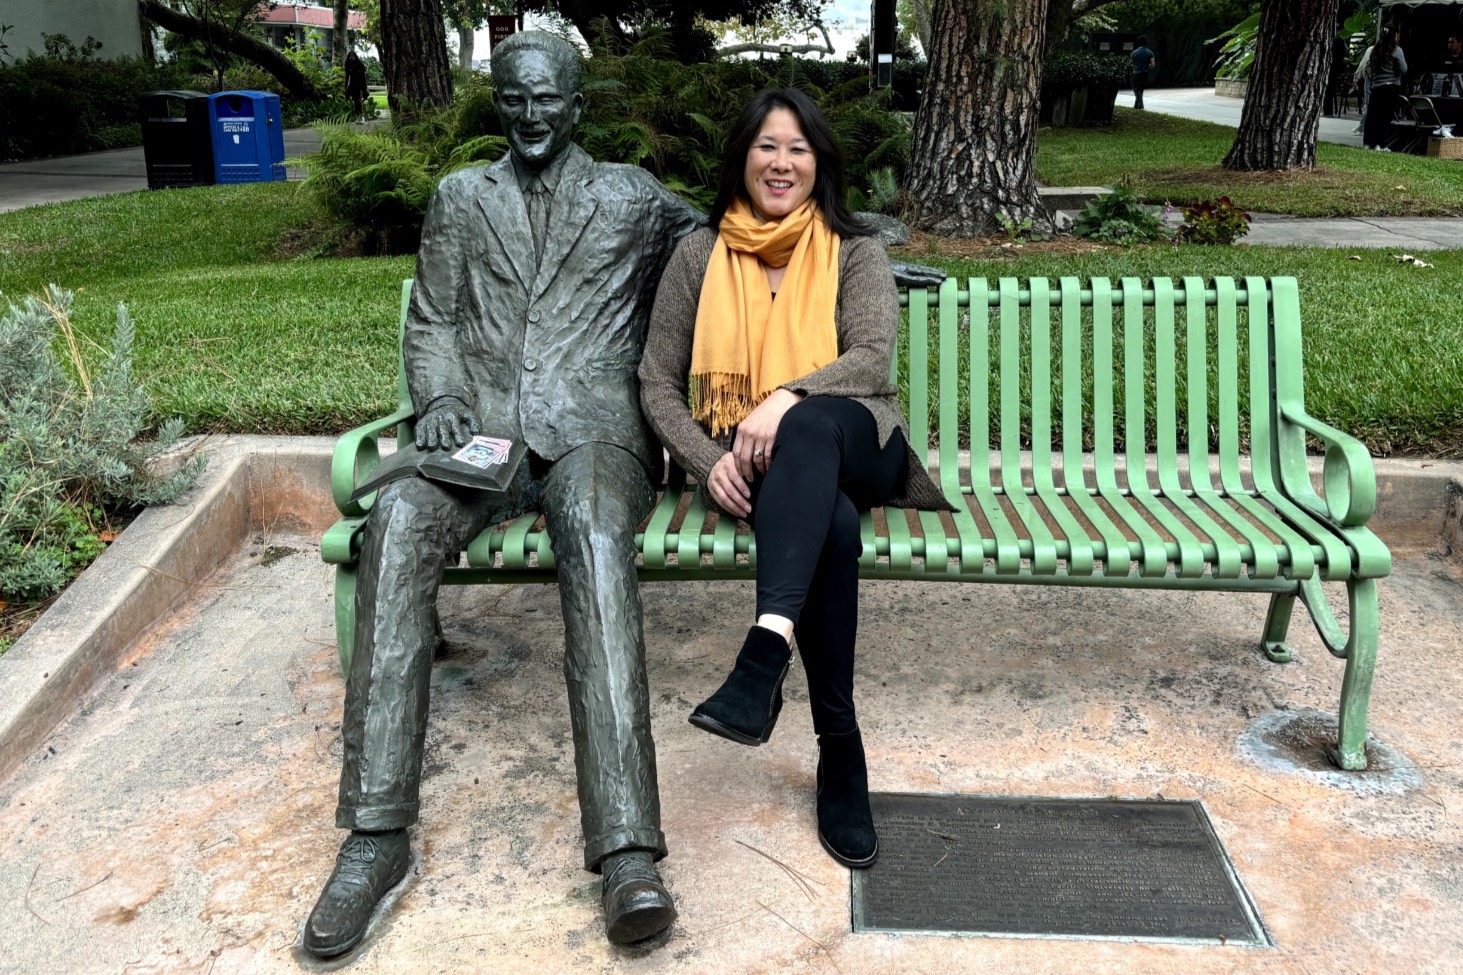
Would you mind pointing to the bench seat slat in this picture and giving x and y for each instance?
(939, 550)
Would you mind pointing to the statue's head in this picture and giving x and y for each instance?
(536, 91)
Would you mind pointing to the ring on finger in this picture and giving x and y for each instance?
(758, 452)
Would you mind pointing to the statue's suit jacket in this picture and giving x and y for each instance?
(545, 350)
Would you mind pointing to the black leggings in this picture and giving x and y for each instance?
(1377, 129)
(827, 467)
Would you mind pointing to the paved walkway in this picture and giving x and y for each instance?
(62, 178)
(1203, 105)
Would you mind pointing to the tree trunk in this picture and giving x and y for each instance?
(922, 23)
(414, 54)
(1282, 111)
(342, 33)
(464, 48)
(149, 46)
(974, 151)
(1059, 17)
(246, 46)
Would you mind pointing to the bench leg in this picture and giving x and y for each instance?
(1277, 625)
(1356, 685)
(345, 614)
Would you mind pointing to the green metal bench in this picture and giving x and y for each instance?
(1088, 375)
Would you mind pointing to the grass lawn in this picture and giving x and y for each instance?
(1177, 160)
(233, 335)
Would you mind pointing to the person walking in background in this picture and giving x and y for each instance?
(1386, 67)
(1144, 61)
(355, 85)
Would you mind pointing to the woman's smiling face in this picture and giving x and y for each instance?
(780, 167)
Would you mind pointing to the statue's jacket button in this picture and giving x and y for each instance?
(530, 364)
(534, 317)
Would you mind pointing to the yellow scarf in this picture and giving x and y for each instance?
(746, 344)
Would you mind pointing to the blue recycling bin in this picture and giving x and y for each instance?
(248, 137)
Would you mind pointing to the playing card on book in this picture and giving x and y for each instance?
(483, 464)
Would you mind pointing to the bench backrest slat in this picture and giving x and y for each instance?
(1011, 395)
(1228, 370)
(1041, 382)
(1135, 388)
(1196, 355)
(1261, 416)
(980, 366)
(949, 392)
(919, 366)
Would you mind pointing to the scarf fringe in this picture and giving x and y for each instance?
(719, 401)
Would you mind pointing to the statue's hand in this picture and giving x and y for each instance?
(447, 423)
(917, 275)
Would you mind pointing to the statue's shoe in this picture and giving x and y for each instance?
(368, 865)
(636, 904)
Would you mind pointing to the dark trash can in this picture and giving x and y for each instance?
(175, 139)
(248, 137)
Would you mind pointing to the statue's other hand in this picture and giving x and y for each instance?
(447, 423)
(917, 275)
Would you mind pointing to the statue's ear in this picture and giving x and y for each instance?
(578, 105)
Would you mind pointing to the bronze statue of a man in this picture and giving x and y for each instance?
(533, 288)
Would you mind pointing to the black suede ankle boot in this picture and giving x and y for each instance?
(845, 823)
(746, 706)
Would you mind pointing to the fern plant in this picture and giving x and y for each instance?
(72, 448)
(641, 107)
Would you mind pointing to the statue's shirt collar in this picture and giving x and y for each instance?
(549, 174)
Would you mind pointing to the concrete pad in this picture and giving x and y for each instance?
(182, 821)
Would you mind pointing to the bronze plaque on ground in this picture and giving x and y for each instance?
(1105, 868)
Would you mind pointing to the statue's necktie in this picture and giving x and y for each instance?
(539, 200)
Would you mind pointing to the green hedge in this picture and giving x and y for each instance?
(53, 106)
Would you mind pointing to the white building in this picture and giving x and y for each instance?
(113, 22)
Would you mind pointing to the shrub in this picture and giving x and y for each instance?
(67, 100)
(1119, 218)
(1237, 51)
(71, 451)
(1214, 222)
(1067, 70)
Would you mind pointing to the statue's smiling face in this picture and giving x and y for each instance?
(536, 107)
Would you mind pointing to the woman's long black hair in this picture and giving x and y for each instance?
(1384, 48)
(830, 188)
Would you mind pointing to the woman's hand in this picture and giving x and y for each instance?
(756, 434)
(728, 488)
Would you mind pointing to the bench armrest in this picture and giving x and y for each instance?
(1349, 478)
(356, 455)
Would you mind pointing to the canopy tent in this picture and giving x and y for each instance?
(1422, 3)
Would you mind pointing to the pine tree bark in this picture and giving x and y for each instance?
(1282, 110)
(414, 55)
(973, 157)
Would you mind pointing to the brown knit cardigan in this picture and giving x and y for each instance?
(867, 318)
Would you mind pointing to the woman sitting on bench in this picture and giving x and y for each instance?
(766, 375)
